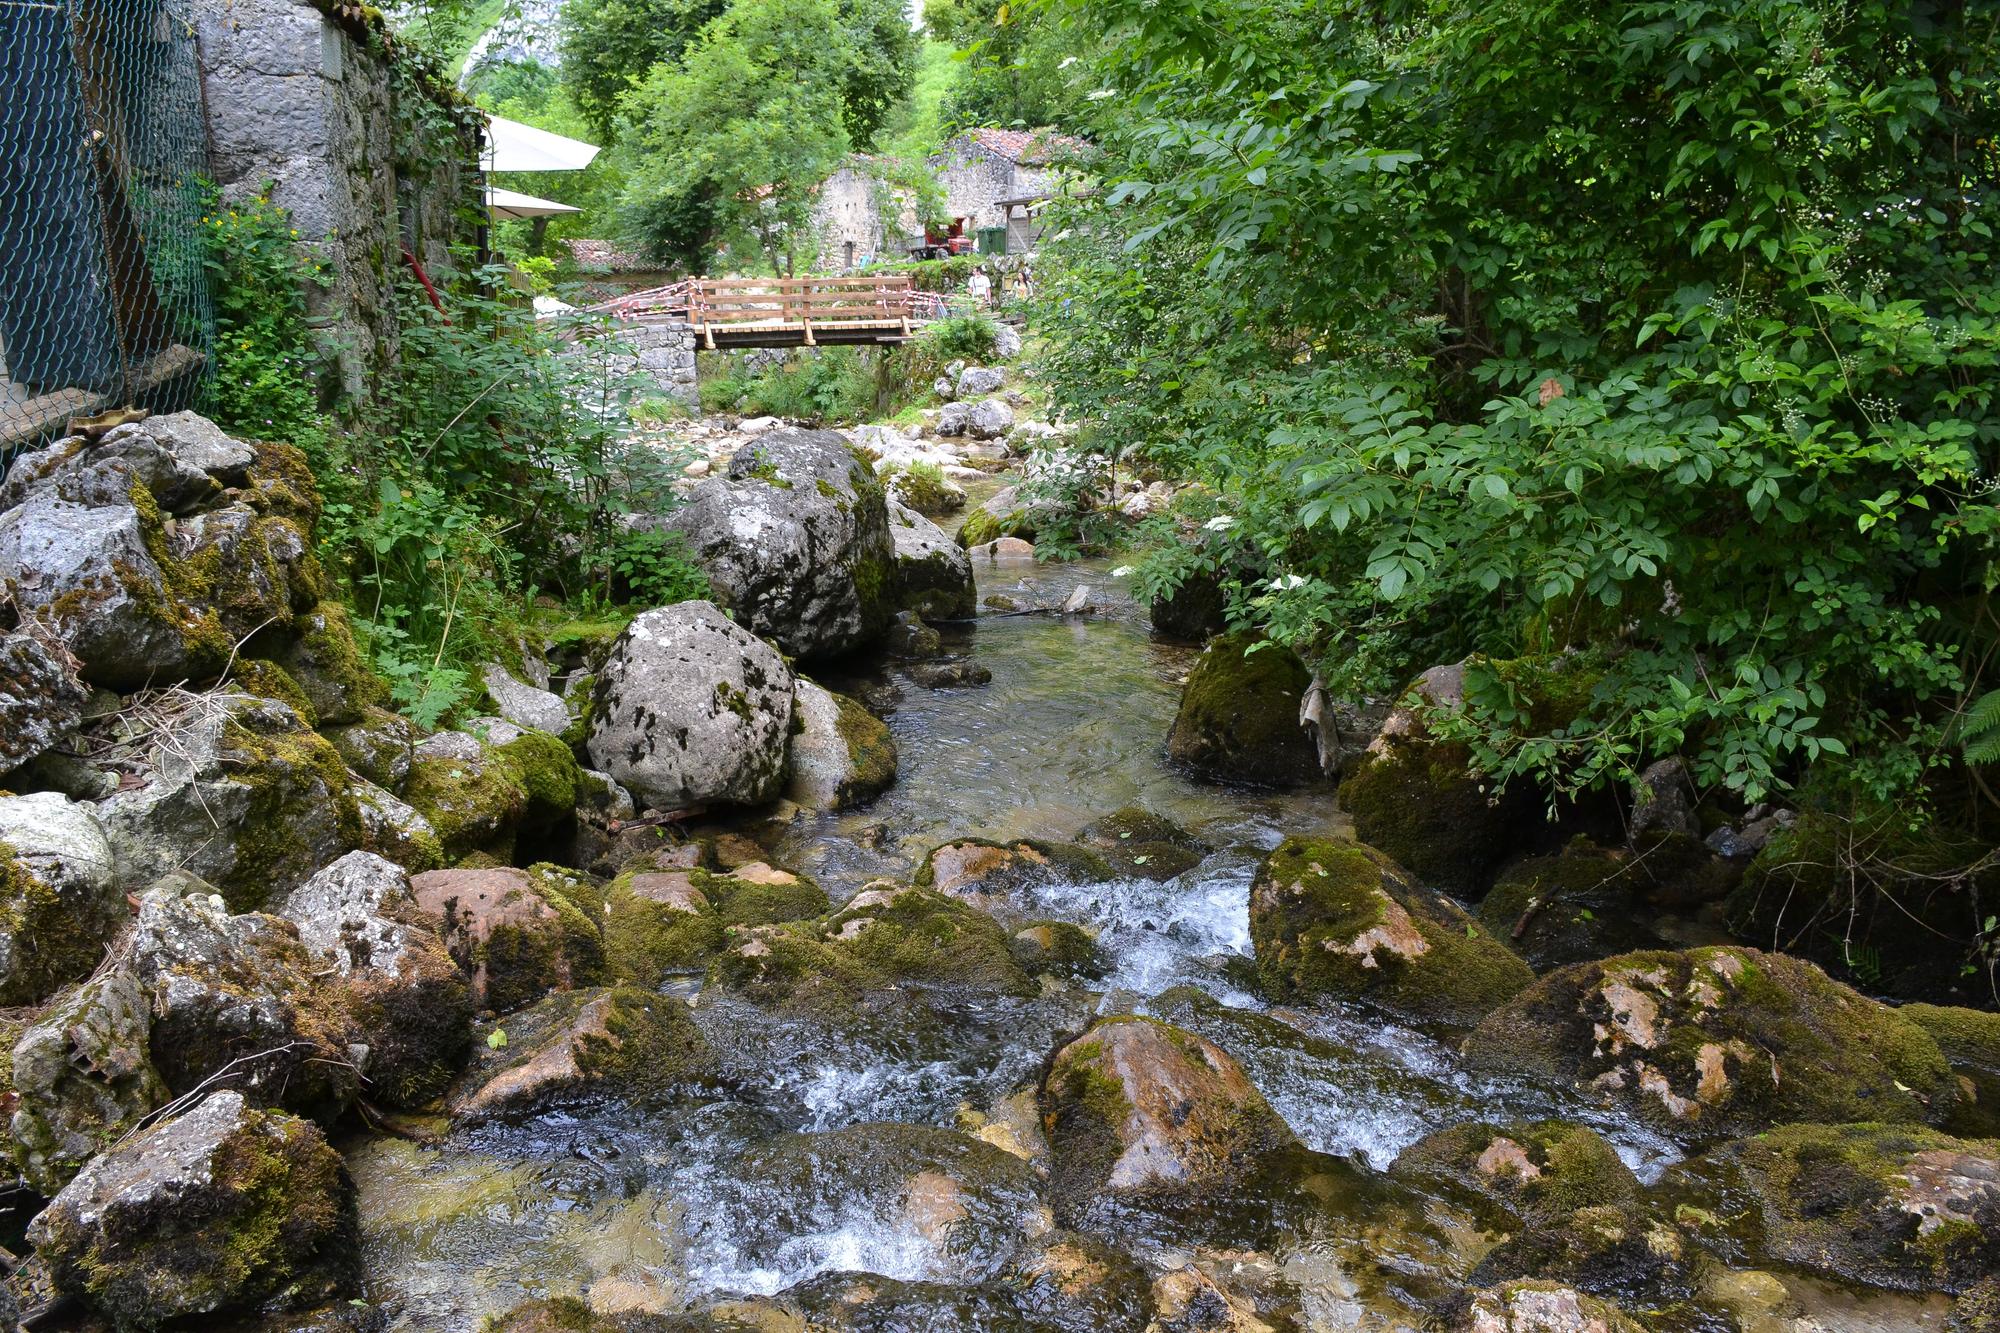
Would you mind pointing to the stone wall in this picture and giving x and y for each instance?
(974, 180)
(368, 152)
(848, 213)
(662, 351)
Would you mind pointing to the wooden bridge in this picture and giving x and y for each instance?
(728, 313)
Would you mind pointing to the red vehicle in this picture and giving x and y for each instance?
(944, 244)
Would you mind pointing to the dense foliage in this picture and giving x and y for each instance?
(1664, 331)
(727, 145)
(608, 46)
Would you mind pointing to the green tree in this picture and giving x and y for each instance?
(1021, 65)
(1663, 331)
(610, 45)
(728, 146)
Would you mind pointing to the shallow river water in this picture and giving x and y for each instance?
(807, 1169)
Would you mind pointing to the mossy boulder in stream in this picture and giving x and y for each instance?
(1889, 1205)
(406, 1001)
(224, 1208)
(1239, 716)
(919, 935)
(60, 902)
(1542, 1170)
(516, 935)
(1136, 1107)
(659, 922)
(988, 874)
(1591, 902)
(1420, 800)
(1339, 920)
(493, 799)
(1709, 1044)
(1143, 845)
(585, 1046)
(241, 993)
(842, 755)
(1533, 1305)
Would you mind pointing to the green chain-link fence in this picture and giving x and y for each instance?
(103, 297)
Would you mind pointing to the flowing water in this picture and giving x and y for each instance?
(816, 1165)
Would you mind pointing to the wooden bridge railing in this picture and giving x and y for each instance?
(800, 309)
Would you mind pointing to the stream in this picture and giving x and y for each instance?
(812, 1168)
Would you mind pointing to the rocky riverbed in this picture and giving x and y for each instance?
(914, 937)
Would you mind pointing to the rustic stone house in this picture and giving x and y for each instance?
(995, 179)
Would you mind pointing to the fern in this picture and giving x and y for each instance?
(1979, 730)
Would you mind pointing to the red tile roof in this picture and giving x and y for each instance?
(603, 254)
(1028, 147)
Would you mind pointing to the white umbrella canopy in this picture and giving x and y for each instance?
(512, 146)
(514, 204)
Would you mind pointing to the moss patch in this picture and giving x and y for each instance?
(1542, 1170)
(51, 942)
(297, 782)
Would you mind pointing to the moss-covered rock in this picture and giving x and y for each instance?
(378, 745)
(1143, 845)
(841, 754)
(1002, 514)
(1077, 1281)
(237, 790)
(1239, 716)
(1339, 920)
(477, 799)
(1709, 1044)
(82, 1077)
(1970, 1040)
(656, 923)
(1059, 949)
(240, 993)
(1591, 902)
(1537, 1170)
(406, 1001)
(987, 873)
(1135, 1107)
(515, 937)
(919, 935)
(320, 653)
(624, 1044)
(1868, 899)
(1420, 800)
(1890, 1205)
(224, 1208)
(60, 901)
(268, 680)
(393, 829)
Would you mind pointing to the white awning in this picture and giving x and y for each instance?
(514, 204)
(512, 146)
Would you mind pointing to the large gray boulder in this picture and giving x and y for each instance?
(83, 1076)
(86, 573)
(235, 1003)
(933, 572)
(692, 709)
(989, 419)
(234, 789)
(182, 460)
(978, 381)
(41, 700)
(795, 538)
(223, 1208)
(60, 903)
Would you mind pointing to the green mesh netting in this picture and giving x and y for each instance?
(103, 294)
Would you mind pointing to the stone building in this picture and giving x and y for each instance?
(371, 156)
(998, 178)
(860, 219)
